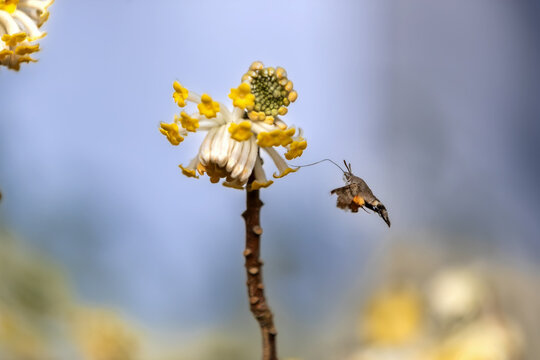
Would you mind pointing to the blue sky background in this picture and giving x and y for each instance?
(435, 104)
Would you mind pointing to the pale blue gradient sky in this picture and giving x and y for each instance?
(433, 103)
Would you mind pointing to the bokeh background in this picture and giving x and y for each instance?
(109, 253)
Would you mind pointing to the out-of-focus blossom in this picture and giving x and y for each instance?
(103, 335)
(33, 297)
(230, 149)
(486, 339)
(456, 293)
(19, 338)
(457, 313)
(390, 353)
(392, 317)
(20, 23)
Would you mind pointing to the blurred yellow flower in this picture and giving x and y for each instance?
(392, 317)
(103, 335)
(18, 338)
(487, 339)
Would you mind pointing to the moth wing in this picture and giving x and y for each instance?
(345, 197)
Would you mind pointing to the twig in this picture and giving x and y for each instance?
(257, 301)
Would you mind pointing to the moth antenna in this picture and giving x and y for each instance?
(318, 162)
(347, 166)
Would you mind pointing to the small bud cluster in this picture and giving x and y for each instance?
(272, 89)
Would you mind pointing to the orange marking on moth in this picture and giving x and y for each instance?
(358, 200)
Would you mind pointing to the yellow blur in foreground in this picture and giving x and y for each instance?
(392, 317)
(450, 317)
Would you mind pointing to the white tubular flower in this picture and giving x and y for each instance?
(230, 149)
(20, 22)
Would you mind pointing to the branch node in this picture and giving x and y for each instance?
(253, 270)
(257, 230)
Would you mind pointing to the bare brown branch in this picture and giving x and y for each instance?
(257, 301)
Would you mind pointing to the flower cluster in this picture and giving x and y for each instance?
(20, 22)
(231, 147)
(450, 316)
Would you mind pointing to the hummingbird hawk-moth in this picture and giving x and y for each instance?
(357, 194)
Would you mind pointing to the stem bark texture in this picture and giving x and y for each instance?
(257, 301)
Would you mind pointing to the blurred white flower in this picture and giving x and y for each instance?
(456, 293)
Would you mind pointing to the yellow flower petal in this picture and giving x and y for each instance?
(180, 94)
(172, 132)
(189, 123)
(285, 172)
(276, 137)
(296, 149)
(233, 185)
(256, 185)
(201, 169)
(26, 49)
(19, 60)
(242, 96)
(208, 107)
(241, 132)
(14, 39)
(189, 172)
(285, 136)
(265, 139)
(9, 5)
(5, 53)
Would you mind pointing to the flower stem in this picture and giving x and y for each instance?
(257, 301)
